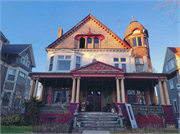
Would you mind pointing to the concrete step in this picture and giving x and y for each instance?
(98, 122)
(96, 119)
(100, 125)
(98, 113)
(97, 116)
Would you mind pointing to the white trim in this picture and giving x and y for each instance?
(176, 105)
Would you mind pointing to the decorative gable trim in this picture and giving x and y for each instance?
(98, 67)
(79, 25)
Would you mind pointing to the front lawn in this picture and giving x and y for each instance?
(16, 129)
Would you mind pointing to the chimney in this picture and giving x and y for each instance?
(60, 32)
(132, 18)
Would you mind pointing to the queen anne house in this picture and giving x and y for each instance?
(91, 65)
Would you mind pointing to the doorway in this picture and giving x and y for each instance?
(94, 100)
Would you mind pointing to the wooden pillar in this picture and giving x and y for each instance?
(122, 91)
(148, 94)
(42, 92)
(118, 92)
(73, 90)
(78, 89)
(35, 88)
(31, 90)
(166, 92)
(161, 92)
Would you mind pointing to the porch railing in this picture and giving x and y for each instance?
(147, 110)
(53, 108)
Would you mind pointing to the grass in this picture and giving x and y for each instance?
(16, 129)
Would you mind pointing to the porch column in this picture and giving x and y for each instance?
(42, 92)
(148, 94)
(161, 92)
(78, 89)
(117, 87)
(73, 90)
(31, 90)
(122, 91)
(166, 92)
(35, 88)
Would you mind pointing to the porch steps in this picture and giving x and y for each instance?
(98, 121)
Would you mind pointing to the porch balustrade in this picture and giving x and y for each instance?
(147, 110)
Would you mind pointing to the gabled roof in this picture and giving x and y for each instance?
(97, 67)
(3, 38)
(17, 49)
(80, 24)
(175, 50)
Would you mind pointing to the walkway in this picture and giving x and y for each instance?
(95, 132)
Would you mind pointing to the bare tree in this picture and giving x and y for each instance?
(170, 6)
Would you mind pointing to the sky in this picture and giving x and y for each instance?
(37, 23)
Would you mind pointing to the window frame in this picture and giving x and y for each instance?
(137, 64)
(64, 59)
(11, 74)
(171, 84)
(175, 110)
(116, 63)
(51, 62)
(20, 72)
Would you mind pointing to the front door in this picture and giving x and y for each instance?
(94, 100)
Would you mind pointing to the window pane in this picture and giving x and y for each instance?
(89, 40)
(11, 77)
(139, 60)
(68, 57)
(63, 65)
(167, 69)
(78, 59)
(139, 41)
(172, 61)
(22, 60)
(124, 67)
(123, 59)
(12, 71)
(134, 42)
(169, 63)
(96, 40)
(50, 67)
(22, 74)
(116, 65)
(139, 68)
(51, 60)
(145, 43)
(61, 57)
(116, 59)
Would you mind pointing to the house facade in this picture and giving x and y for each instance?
(172, 67)
(91, 65)
(17, 60)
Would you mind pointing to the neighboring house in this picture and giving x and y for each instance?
(17, 60)
(172, 66)
(91, 67)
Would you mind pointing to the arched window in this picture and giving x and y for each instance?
(96, 40)
(82, 43)
(89, 40)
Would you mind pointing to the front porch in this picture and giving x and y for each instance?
(99, 87)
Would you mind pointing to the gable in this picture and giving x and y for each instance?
(97, 67)
(68, 40)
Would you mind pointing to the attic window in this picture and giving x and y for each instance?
(25, 61)
(82, 43)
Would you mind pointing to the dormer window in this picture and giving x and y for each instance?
(89, 40)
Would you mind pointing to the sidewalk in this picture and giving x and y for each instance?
(95, 132)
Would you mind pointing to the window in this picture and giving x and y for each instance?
(139, 64)
(22, 74)
(171, 84)
(60, 96)
(134, 42)
(167, 69)
(47, 95)
(139, 41)
(6, 98)
(11, 74)
(82, 43)
(124, 67)
(96, 40)
(141, 100)
(116, 59)
(175, 106)
(78, 61)
(116, 62)
(51, 63)
(63, 62)
(89, 40)
(145, 42)
(25, 61)
(123, 59)
(27, 64)
(116, 65)
(171, 64)
(22, 60)
(131, 96)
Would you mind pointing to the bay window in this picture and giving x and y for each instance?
(51, 63)
(63, 62)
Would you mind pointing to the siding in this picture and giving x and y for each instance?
(3, 75)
